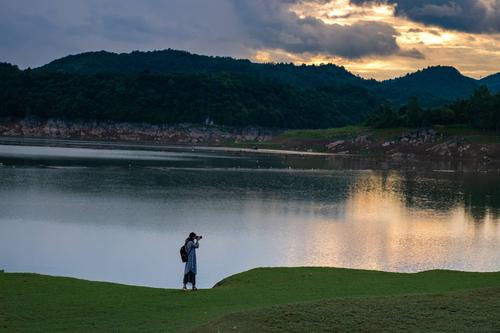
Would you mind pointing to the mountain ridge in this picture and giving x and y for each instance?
(492, 82)
(433, 85)
(177, 61)
(178, 87)
(61, 63)
(429, 85)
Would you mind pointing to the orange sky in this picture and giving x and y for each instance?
(475, 55)
(376, 40)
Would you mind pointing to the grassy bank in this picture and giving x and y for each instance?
(467, 134)
(277, 299)
(479, 149)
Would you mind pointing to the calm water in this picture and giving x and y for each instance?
(121, 214)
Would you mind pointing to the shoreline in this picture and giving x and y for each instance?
(230, 277)
(402, 162)
(452, 145)
(97, 143)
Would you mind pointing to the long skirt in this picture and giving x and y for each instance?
(190, 277)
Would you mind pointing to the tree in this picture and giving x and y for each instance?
(384, 117)
(414, 113)
(481, 108)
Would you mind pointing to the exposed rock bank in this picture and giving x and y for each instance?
(179, 134)
(419, 144)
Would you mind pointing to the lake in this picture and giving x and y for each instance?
(120, 213)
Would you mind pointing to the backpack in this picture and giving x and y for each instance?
(184, 254)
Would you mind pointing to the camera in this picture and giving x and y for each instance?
(199, 237)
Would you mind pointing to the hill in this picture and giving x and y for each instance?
(175, 87)
(226, 98)
(492, 82)
(433, 86)
(181, 62)
(263, 300)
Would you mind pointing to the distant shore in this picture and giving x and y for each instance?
(453, 143)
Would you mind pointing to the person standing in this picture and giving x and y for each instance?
(191, 244)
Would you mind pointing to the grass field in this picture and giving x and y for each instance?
(260, 300)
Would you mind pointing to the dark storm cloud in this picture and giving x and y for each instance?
(34, 32)
(271, 24)
(476, 16)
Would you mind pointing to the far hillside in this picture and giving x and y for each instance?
(221, 98)
(182, 62)
(174, 87)
(492, 82)
(433, 86)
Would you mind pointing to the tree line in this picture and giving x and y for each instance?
(226, 98)
(481, 110)
(232, 99)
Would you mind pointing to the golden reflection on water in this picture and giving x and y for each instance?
(379, 230)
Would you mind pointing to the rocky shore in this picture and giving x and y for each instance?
(135, 132)
(423, 143)
(418, 144)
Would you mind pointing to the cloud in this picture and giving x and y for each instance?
(368, 39)
(271, 24)
(412, 53)
(35, 32)
(475, 16)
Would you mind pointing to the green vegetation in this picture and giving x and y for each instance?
(451, 312)
(346, 132)
(182, 62)
(481, 110)
(433, 86)
(467, 133)
(317, 139)
(492, 82)
(267, 299)
(172, 87)
(328, 133)
(225, 98)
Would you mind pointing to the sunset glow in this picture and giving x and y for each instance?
(377, 39)
(475, 55)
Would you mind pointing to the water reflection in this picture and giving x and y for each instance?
(401, 230)
(119, 223)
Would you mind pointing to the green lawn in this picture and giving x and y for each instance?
(265, 299)
(464, 311)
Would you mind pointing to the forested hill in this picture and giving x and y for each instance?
(225, 98)
(433, 86)
(176, 87)
(182, 62)
(492, 82)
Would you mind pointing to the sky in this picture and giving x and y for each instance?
(372, 38)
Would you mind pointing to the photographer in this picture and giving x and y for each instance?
(191, 244)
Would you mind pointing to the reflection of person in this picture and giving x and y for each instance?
(192, 243)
